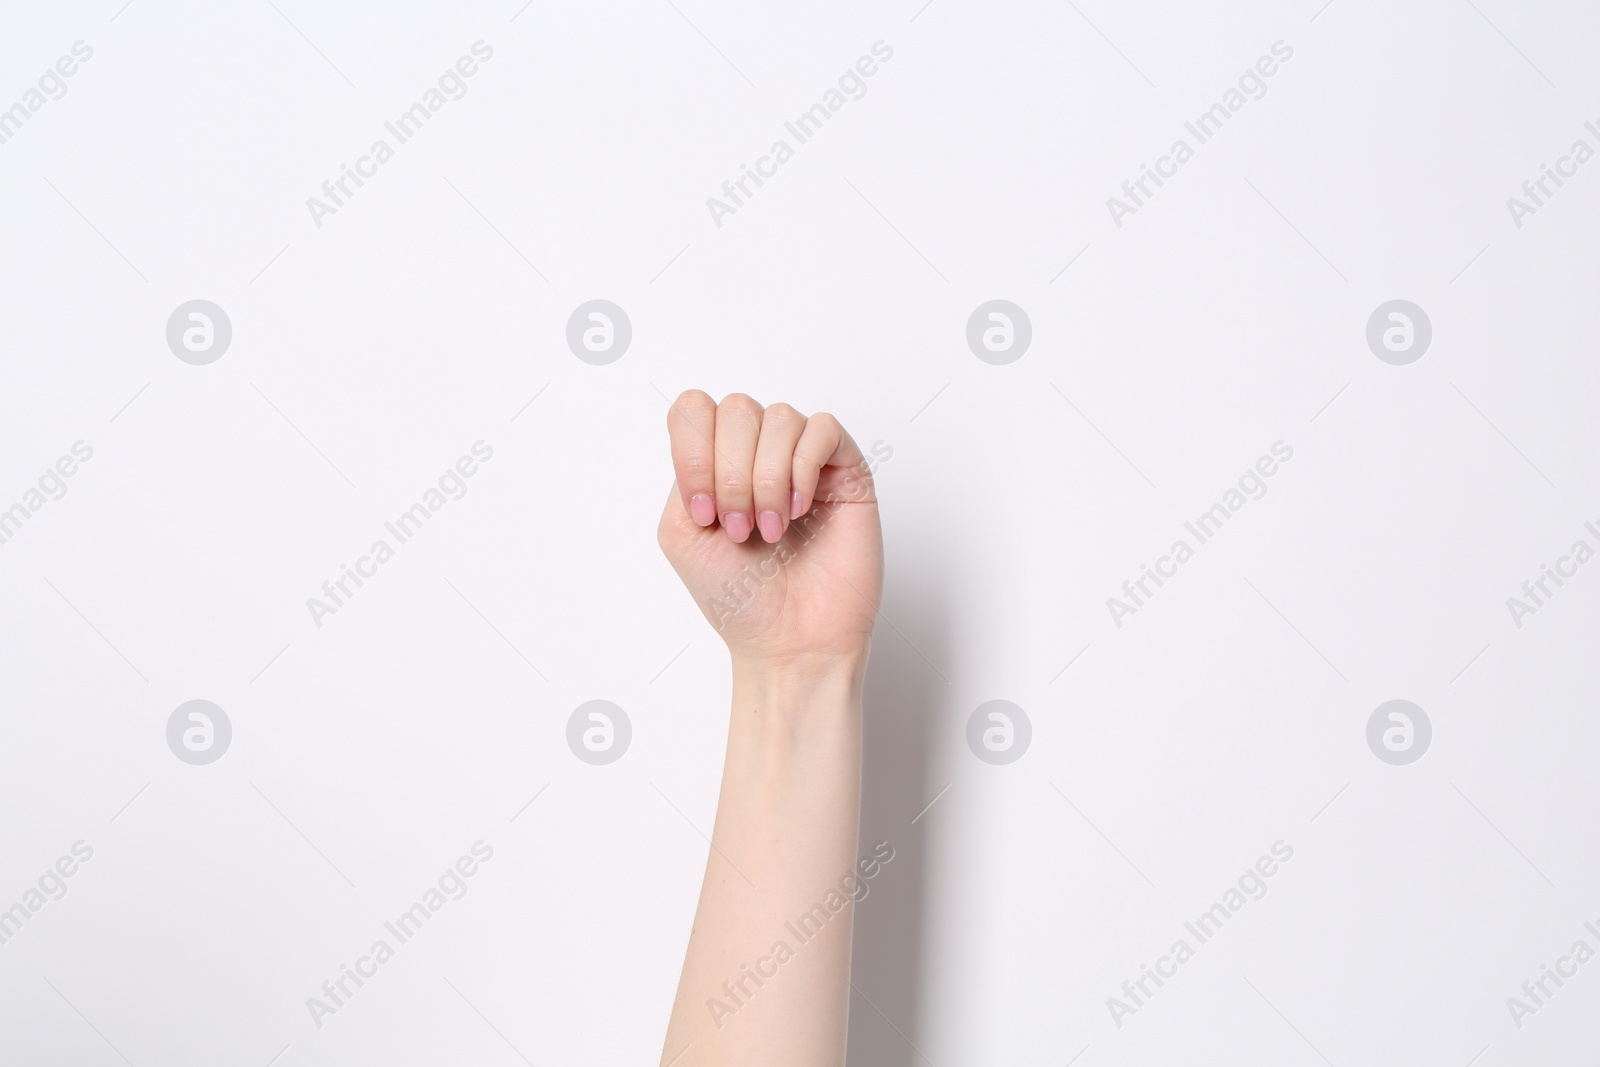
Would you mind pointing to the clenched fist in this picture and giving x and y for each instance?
(773, 526)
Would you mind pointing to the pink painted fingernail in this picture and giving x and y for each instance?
(737, 523)
(702, 510)
(794, 505)
(770, 525)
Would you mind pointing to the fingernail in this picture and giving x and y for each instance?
(794, 505)
(702, 510)
(770, 525)
(737, 523)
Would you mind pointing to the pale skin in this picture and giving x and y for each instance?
(773, 526)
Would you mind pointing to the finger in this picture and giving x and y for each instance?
(738, 428)
(691, 422)
(823, 444)
(781, 426)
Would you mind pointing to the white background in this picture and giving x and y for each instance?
(368, 354)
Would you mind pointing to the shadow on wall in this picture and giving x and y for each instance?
(903, 699)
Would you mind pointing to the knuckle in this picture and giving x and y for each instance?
(781, 413)
(694, 466)
(690, 403)
(694, 399)
(739, 404)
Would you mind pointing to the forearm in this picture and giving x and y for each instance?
(767, 975)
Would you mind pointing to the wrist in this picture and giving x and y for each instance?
(805, 677)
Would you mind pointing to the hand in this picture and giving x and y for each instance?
(773, 527)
